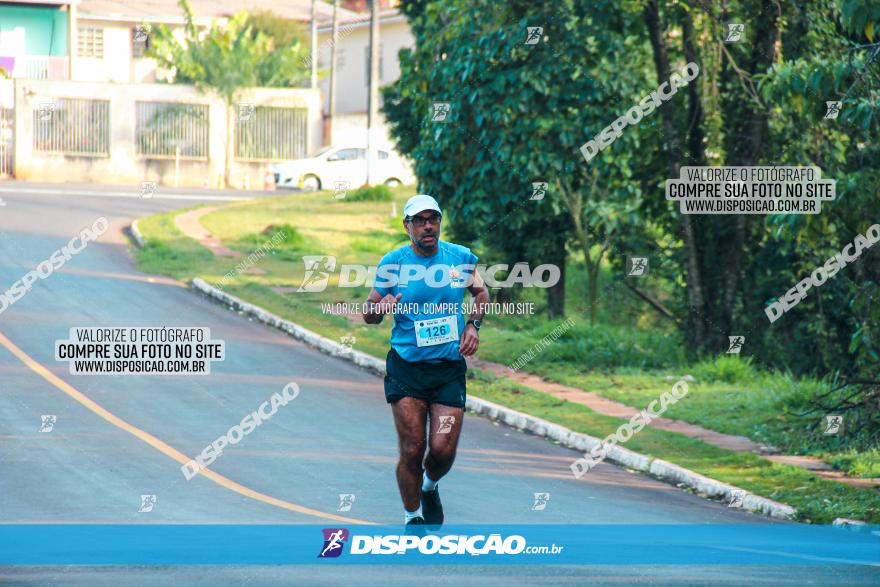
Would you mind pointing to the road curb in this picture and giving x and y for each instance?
(136, 235)
(312, 339)
(664, 470)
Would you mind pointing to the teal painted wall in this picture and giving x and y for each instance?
(45, 28)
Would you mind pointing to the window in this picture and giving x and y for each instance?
(90, 42)
(348, 155)
(381, 62)
(321, 151)
(324, 57)
(383, 154)
(140, 41)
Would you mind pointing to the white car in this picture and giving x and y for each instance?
(335, 167)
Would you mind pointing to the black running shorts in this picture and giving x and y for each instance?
(443, 382)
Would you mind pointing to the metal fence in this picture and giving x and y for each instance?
(7, 147)
(267, 133)
(41, 67)
(163, 127)
(72, 126)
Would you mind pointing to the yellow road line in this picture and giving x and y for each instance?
(162, 447)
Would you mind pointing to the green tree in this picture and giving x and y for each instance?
(518, 114)
(226, 60)
(720, 120)
(834, 329)
(284, 32)
(286, 35)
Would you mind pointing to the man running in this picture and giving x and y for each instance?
(426, 370)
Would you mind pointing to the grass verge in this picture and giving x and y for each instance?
(622, 363)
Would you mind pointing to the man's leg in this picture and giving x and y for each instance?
(410, 416)
(445, 430)
(443, 440)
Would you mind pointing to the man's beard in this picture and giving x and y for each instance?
(424, 247)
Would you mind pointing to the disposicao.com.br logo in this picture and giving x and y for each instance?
(319, 268)
(334, 540)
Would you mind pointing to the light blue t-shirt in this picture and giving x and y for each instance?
(448, 273)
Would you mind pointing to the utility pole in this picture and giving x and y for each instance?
(335, 38)
(314, 48)
(72, 32)
(373, 94)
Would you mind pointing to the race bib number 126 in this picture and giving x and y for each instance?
(436, 331)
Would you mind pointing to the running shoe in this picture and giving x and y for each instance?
(432, 508)
(416, 527)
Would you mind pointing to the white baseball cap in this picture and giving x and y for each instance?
(420, 203)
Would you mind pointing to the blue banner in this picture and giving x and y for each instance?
(152, 544)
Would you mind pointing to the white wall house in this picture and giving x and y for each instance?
(353, 55)
(352, 70)
(112, 49)
(84, 104)
(108, 47)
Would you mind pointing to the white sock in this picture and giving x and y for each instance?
(410, 515)
(427, 484)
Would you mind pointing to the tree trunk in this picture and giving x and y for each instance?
(696, 329)
(714, 245)
(574, 203)
(335, 39)
(373, 90)
(748, 120)
(230, 145)
(556, 293)
(313, 46)
(593, 287)
(696, 146)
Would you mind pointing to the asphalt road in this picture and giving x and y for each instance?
(114, 434)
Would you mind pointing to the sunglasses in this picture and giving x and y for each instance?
(420, 221)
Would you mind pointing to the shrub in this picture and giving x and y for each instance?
(283, 235)
(857, 464)
(376, 193)
(280, 236)
(725, 369)
(602, 346)
(281, 241)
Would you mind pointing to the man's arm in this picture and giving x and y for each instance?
(377, 306)
(470, 337)
(480, 294)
